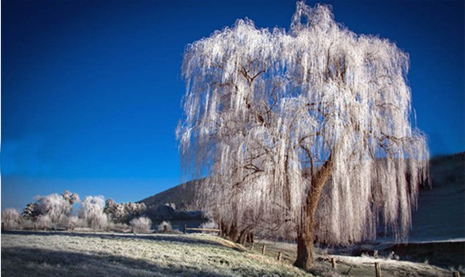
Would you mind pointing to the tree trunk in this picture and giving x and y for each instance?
(231, 232)
(243, 236)
(220, 227)
(250, 238)
(306, 226)
(304, 248)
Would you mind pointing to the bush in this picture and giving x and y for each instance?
(73, 222)
(119, 227)
(91, 213)
(11, 219)
(165, 227)
(43, 222)
(56, 207)
(141, 225)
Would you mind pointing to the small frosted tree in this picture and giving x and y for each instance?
(11, 219)
(91, 212)
(141, 225)
(310, 127)
(54, 209)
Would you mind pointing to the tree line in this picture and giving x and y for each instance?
(55, 211)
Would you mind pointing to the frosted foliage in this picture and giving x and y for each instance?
(123, 212)
(54, 209)
(165, 226)
(11, 219)
(44, 222)
(265, 109)
(70, 197)
(91, 212)
(141, 225)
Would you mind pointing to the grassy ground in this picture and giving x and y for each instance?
(107, 254)
(80, 254)
(347, 265)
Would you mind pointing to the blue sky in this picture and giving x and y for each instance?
(91, 91)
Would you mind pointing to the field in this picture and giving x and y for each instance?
(79, 254)
(108, 254)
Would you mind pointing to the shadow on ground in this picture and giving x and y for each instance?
(34, 262)
(443, 254)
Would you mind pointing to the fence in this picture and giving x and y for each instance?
(200, 229)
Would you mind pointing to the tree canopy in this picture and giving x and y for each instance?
(276, 116)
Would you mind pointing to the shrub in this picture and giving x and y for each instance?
(73, 222)
(141, 225)
(165, 227)
(11, 219)
(43, 222)
(91, 213)
(54, 210)
(119, 227)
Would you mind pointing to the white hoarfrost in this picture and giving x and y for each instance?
(265, 110)
(110, 254)
(11, 219)
(164, 227)
(54, 210)
(141, 225)
(91, 213)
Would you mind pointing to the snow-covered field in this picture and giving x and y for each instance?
(108, 254)
(92, 254)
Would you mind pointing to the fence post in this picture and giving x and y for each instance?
(185, 227)
(279, 256)
(333, 262)
(377, 270)
(263, 249)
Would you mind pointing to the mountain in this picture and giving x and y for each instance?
(441, 208)
(183, 196)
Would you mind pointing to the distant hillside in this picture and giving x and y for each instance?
(441, 208)
(183, 196)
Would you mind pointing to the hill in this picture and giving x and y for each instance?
(183, 196)
(441, 208)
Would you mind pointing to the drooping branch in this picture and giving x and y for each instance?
(263, 108)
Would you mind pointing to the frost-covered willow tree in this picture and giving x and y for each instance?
(310, 127)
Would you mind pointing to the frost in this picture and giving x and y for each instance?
(91, 213)
(11, 220)
(164, 227)
(266, 111)
(141, 225)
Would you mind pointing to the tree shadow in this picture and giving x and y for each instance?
(22, 261)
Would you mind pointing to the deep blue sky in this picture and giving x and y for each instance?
(91, 91)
